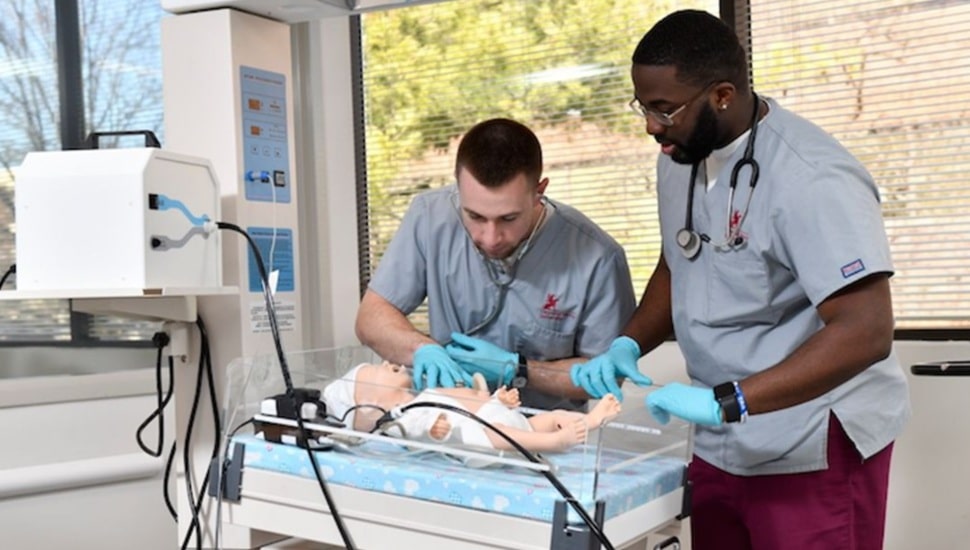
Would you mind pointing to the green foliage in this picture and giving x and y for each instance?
(489, 38)
(560, 66)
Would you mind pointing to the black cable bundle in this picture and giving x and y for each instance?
(205, 366)
(160, 339)
(291, 392)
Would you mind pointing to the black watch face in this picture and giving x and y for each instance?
(519, 382)
(724, 390)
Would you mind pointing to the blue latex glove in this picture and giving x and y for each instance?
(696, 405)
(497, 365)
(433, 368)
(598, 375)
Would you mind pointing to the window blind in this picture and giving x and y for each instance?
(121, 69)
(889, 79)
(561, 67)
(29, 111)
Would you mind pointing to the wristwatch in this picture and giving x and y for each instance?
(521, 377)
(728, 399)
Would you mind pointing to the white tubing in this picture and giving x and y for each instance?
(62, 476)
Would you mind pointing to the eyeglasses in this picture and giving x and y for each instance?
(664, 119)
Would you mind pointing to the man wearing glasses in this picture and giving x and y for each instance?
(519, 287)
(779, 297)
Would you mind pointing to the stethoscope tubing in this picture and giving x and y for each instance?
(501, 286)
(688, 239)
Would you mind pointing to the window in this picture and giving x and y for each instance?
(890, 79)
(561, 67)
(121, 75)
(887, 78)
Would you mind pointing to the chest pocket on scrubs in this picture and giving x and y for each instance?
(540, 343)
(738, 288)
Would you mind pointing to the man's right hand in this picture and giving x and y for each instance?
(598, 375)
(433, 368)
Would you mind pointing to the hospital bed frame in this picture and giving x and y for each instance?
(293, 506)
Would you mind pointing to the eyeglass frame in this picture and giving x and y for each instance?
(665, 119)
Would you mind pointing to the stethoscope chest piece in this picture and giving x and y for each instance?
(689, 243)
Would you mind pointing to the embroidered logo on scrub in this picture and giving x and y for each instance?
(735, 220)
(550, 309)
(852, 268)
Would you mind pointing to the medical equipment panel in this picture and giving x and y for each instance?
(137, 218)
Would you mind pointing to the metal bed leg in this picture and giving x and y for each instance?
(227, 477)
(574, 537)
(672, 543)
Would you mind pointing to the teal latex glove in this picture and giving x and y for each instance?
(598, 375)
(696, 405)
(497, 365)
(433, 368)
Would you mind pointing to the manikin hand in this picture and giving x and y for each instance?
(696, 405)
(598, 375)
(476, 355)
(508, 397)
(433, 368)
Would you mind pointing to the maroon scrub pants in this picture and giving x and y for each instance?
(843, 507)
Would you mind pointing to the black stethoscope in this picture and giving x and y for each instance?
(688, 239)
(501, 278)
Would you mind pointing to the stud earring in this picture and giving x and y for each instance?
(724, 106)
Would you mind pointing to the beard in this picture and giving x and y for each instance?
(702, 141)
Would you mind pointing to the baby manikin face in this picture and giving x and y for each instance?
(386, 385)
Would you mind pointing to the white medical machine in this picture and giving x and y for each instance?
(117, 219)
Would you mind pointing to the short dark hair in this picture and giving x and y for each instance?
(496, 150)
(700, 46)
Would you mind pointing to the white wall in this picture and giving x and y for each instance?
(929, 491)
(81, 431)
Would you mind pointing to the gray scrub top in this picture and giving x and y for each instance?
(572, 293)
(814, 226)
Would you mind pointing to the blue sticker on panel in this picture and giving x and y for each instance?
(266, 156)
(277, 254)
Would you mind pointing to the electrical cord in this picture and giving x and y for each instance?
(165, 482)
(241, 426)
(205, 363)
(186, 455)
(566, 494)
(12, 270)
(195, 499)
(288, 381)
(160, 339)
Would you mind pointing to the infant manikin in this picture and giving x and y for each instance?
(361, 396)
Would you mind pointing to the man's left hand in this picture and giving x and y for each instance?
(497, 365)
(696, 405)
